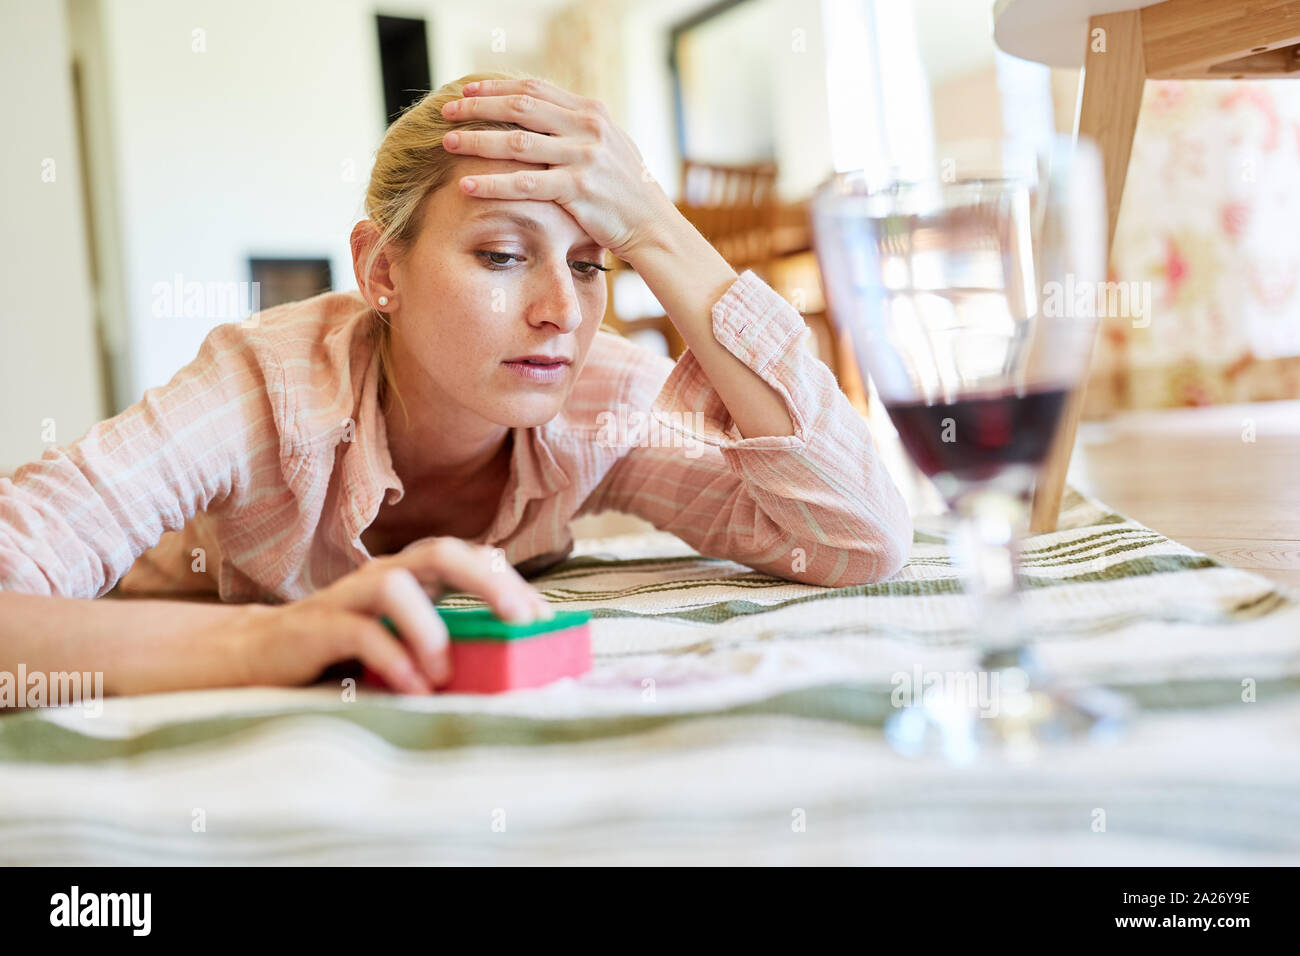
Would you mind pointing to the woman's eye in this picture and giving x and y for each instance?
(501, 260)
(589, 270)
(487, 257)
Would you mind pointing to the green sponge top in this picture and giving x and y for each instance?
(482, 624)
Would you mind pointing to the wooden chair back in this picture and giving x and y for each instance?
(735, 207)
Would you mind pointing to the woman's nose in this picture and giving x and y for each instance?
(556, 301)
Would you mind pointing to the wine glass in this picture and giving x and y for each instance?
(970, 299)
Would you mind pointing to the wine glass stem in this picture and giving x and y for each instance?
(986, 547)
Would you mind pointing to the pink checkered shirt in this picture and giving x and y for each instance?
(269, 452)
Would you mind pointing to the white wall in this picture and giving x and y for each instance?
(258, 144)
(648, 90)
(476, 35)
(726, 67)
(254, 138)
(799, 103)
(953, 37)
(48, 370)
(794, 88)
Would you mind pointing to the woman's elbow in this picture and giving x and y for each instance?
(868, 565)
(875, 564)
(885, 547)
(829, 567)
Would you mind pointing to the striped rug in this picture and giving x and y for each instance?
(731, 717)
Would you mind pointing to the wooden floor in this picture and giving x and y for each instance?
(1192, 475)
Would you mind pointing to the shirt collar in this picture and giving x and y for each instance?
(369, 478)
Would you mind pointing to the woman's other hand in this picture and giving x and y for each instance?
(294, 643)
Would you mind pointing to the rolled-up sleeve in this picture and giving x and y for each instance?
(817, 506)
(74, 521)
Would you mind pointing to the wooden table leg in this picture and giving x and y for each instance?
(1113, 78)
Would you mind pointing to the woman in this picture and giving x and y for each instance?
(350, 454)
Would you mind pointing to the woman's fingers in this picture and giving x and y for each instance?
(553, 185)
(397, 586)
(521, 108)
(521, 145)
(538, 88)
(398, 595)
(478, 570)
(385, 588)
(359, 636)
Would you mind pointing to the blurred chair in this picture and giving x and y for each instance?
(797, 278)
(736, 208)
(630, 326)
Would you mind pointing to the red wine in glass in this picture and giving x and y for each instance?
(976, 437)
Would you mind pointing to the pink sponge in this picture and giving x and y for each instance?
(489, 655)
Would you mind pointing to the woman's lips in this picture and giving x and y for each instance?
(546, 373)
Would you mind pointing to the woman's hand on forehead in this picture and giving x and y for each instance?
(596, 173)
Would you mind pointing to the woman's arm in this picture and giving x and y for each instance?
(815, 506)
(75, 520)
(145, 647)
(139, 646)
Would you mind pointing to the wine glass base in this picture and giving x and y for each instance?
(1018, 714)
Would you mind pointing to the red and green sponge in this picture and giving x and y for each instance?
(489, 655)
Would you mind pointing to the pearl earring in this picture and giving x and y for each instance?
(383, 300)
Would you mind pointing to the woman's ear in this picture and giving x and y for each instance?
(365, 237)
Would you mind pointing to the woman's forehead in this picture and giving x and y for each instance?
(456, 209)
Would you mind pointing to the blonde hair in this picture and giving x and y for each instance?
(410, 164)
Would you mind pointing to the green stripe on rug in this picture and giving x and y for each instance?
(724, 610)
(27, 738)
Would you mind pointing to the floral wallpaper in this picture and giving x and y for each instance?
(1211, 219)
